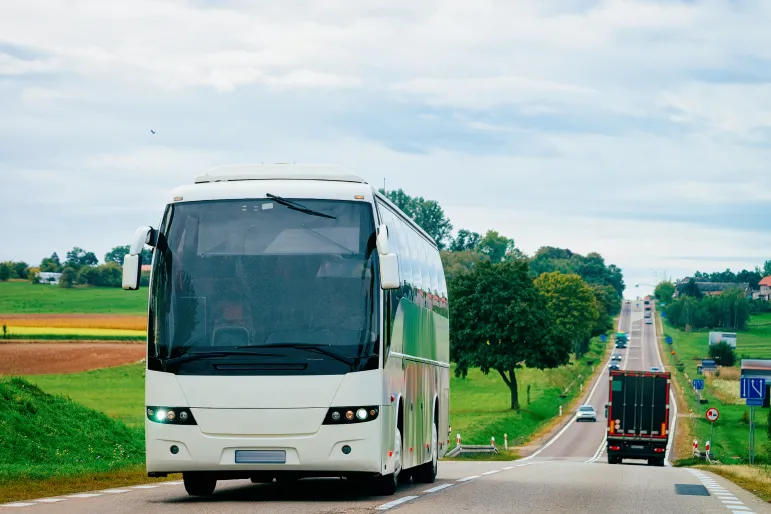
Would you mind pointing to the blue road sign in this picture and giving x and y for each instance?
(668, 339)
(603, 337)
(698, 384)
(754, 402)
(753, 388)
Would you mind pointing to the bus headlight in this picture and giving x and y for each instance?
(348, 415)
(170, 415)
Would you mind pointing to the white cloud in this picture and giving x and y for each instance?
(550, 109)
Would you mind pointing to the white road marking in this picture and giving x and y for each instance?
(116, 491)
(468, 478)
(17, 504)
(145, 487)
(84, 495)
(51, 500)
(394, 503)
(492, 472)
(438, 488)
(508, 467)
(176, 482)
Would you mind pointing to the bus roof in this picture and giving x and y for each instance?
(278, 171)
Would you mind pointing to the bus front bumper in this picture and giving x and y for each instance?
(342, 449)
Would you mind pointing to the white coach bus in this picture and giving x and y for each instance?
(297, 327)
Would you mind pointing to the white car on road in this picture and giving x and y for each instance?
(586, 413)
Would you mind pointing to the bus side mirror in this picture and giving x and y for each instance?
(132, 263)
(389, 262)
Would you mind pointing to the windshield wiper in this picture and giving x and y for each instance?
(319, 348)
(207, 355)
(298, 207)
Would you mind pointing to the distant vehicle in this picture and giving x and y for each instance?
(616, 357)
(628, 301)
(614, 367)
(655, 368)
(621, 339)
(648, 321)
(647, 314)
(586, 413)
(638, 416)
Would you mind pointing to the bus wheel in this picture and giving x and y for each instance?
(386, 484)
(199, 484)
(426, 473)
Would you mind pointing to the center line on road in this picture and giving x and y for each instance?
(394, 503)
(467, 478)
(438, 488)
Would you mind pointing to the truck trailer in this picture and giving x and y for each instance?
(638, 416)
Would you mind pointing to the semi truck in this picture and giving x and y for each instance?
(638, 416)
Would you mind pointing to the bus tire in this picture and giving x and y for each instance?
(426, 473)
(199, 484)
(386, 485)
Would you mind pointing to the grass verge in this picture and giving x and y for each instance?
(23, 297)
(755, 479)
(51, 438)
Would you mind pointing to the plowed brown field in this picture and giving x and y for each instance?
(65, 357)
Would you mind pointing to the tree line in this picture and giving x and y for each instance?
(509, 310)
(80, 267)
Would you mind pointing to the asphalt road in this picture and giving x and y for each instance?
(569, 474)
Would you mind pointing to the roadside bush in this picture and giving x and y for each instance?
(67, 278)
(5, 272)
(723, 353)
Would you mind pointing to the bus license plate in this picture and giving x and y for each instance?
(637, 447)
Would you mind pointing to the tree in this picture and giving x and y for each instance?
(608, 305)
(51, 264)
(691, 289)
(499, 321)
(572, 305)
(455, 263)
(591, 268)
(465, 241)
(664, 290)
(67, 278)
(723, 353)
(78, 257)
(496, 246)
(117, 254)
(5, 272)
(428, 214)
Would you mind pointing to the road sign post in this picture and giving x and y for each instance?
(753, 390)
(712, 415)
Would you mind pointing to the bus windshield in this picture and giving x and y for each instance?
(265, 286)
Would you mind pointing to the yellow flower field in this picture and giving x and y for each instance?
(70, 331)
(80, 321)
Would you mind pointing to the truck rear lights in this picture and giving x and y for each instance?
(170, 415)
(349, 415)
(615, 448)
(658, 450)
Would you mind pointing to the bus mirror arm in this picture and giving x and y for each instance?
(132, 263)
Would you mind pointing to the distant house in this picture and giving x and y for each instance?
(764, 293)
(47, 277)
(712, 288)
(147, 267)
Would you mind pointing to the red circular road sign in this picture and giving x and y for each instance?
(712, 414)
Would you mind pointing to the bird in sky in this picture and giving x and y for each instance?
(151, 130)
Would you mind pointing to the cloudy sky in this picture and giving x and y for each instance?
(638, 129)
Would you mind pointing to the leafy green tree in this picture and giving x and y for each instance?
(664, 290)
(608, 305)
(51, 264)
(499, 321)
(496, 246)
(455, 263)
(68, 277)
(78, 257)
(117, 254)
(5, 272)
(572, 305)
(723, 353)
(465, 241)
(591, 268)
(428, 214)
(691, 289)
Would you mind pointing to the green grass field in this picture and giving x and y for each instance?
(730, 439)
(118, 392)
(46, 436)
(23, 297)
